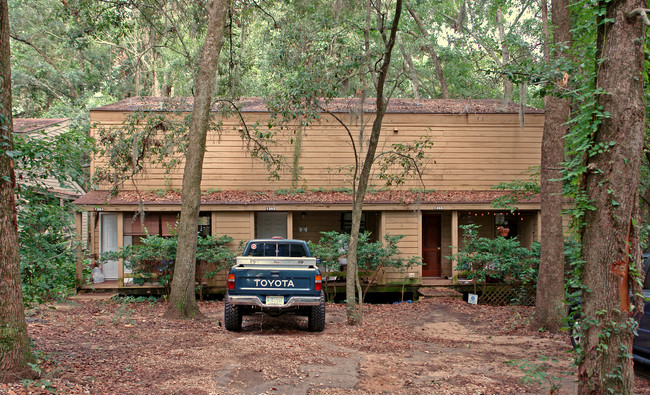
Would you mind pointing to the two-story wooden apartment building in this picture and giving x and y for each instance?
(477, 144)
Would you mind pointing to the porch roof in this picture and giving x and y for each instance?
(102, 197)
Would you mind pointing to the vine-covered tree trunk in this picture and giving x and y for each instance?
(182, 299)
(550, 309)
(611, 184)
(354, 310)
(15, 353)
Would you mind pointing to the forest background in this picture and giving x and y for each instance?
(69, 56)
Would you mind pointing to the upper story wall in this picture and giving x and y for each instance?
(472, 149)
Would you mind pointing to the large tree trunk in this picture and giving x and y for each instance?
(354, 310)
(611, 184)
(182, 299)
(550, 309)
(15, 353)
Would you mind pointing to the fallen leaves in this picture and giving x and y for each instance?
(440, 345)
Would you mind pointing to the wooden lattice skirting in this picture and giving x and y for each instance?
(507, 294)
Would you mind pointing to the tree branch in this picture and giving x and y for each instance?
(49, 61)
(641, 13)
(271, 161)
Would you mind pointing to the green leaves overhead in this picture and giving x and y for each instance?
(68, 52)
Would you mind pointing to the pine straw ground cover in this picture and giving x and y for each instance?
(440, 345)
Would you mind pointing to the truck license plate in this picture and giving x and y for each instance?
(275, 300)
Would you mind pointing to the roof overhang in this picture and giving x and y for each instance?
(321, 201)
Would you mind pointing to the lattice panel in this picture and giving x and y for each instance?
(508, 294)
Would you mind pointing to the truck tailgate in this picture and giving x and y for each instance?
(270, 280)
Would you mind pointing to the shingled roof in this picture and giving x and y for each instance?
(339, 105)
(28, 125)
(99, 198)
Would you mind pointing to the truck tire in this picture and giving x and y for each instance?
(232, 317)
(316, 320)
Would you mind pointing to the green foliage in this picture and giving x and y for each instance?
(501, 259)
(213, 250)
(518, 190)
(404, 160)
(61, 157)
(329, 249)
(537, 373)
(47, 249)
(372, 257)
(153, 260)
(145, 138)
(46, 224)
(135, 299)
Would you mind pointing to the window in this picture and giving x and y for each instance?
(162, 223)
(277, 249)
(346, 222)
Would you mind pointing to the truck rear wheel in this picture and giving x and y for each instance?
(316, 320)
(232, 317)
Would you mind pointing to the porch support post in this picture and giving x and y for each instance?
(381, 278)
(79, 246)
(251, 224)
(94, 217)
(538, 235)
(120, 245)
(420, 241)
(454, 244)
(290, 225)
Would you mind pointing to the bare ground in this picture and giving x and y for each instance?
(438, 345)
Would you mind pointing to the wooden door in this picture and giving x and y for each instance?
(431, 245)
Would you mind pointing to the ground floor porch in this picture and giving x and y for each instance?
(432, 231)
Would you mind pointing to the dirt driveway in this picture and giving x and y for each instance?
(438, 345)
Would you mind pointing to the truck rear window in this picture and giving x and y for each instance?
(276, 249)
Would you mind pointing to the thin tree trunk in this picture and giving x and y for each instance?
(182, 299)
(15, 354)
(156, 59)
(550, 309)
(505, 59)
(611, 184)
(296, 170)
(432, 53)
(354, 310)
(410, 68)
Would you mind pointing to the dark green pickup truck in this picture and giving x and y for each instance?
(275, 276)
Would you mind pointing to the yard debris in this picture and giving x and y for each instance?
(438, 345)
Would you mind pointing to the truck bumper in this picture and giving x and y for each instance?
(294, 301)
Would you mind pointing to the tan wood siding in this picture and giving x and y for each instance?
(239, 226)
(469, 152)
(402, 223)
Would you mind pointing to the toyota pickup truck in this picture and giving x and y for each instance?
(275, 276)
